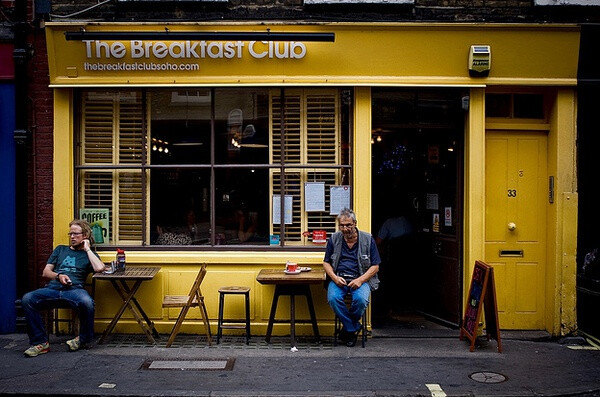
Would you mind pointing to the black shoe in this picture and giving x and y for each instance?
(345, 336)
(352, 341)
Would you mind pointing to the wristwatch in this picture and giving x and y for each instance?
(58, 275)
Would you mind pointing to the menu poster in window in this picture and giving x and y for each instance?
(314, 196)
(340, 199)
(99, 222)
(287, 210)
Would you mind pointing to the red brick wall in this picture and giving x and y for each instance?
(40, 178)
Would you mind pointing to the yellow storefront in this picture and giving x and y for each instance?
(128, 98)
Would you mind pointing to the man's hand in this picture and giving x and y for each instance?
(86, 245)
(64, 279)
(355, 284)
(339, 281)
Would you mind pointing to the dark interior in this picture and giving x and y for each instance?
(417, 140)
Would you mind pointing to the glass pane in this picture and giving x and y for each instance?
(180, 206)
(391, 106)
(242, 206)
(241, 126)
(529, 106)
(180, 126)
(497, 105)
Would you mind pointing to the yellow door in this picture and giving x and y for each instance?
(516, 195)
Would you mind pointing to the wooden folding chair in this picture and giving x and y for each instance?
(194, 299)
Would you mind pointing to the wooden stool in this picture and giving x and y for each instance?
(337, 327)
(233, 323)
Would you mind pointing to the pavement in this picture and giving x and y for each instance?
(397, 363)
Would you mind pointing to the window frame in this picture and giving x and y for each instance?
(343, 166)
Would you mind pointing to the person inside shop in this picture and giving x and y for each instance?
(351, 263)
(67, 268)
(393, 228)
(246, 221)
(396, 240)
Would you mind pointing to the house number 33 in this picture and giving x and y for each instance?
(512, 192)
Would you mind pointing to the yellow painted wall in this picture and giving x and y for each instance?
(364, 54)
(562, 219)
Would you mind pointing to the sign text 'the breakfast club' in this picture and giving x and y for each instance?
(139, 49)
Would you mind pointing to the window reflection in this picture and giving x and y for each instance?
(203, 166)
(179, 210)
(241, 126)
(242, 206)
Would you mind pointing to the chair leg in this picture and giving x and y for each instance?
(336, 330)
(220, 319)
(177, 325)
(206, 322)
(247, 318)
(364, 329)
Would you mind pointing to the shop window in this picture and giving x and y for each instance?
(518, 106)
(206, 167)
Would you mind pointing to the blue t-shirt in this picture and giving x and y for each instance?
(394, 228)
(74, 263)
(348, 264)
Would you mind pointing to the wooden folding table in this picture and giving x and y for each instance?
(119, 280)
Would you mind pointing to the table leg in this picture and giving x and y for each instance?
(313, 317)
(141, 311)
(119, 313)
(136, 315)
(127, 295)
(292, 319)
(272, 315)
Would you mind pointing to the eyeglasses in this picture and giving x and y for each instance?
(346, 225)
(74, 234)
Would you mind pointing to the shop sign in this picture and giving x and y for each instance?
(138, 49)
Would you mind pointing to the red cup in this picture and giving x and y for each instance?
(291, 267)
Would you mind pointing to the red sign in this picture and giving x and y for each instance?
(319, 237)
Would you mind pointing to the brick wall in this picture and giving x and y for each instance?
(421, 10)
(40, 162)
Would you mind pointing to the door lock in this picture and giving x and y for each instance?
(512, 226)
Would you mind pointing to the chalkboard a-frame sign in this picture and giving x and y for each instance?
(482, 295)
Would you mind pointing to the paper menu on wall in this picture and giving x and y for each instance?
(339, 199)
(287, 209)
(314, 196)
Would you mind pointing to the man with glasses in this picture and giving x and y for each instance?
(67, 268)
(351, 263)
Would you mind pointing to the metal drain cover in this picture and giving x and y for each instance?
(488, 377)
(208, 364)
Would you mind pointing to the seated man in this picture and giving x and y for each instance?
(68, 268)
(351, 262)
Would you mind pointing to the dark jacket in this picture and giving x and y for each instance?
(364, 254)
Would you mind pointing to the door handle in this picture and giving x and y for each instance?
(512, 226)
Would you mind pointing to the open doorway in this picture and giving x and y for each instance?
(417, 168)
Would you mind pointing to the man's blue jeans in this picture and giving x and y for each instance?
(360, 300)
(47, 298)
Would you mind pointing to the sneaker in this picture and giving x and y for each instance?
(36, 350)
(74, 344)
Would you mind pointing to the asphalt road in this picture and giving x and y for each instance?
(386, 367)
